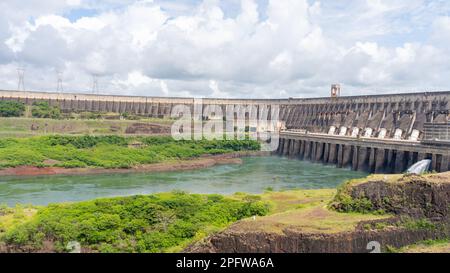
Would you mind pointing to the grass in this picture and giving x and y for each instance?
(108, 151)
(290, 200)
(10, 217)
(310, 219)
(22, 127)
(429, 246)
(304, 211)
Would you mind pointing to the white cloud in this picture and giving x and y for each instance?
(295, 48)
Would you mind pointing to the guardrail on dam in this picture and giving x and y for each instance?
(381, 133)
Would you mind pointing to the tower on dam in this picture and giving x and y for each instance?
(379, 133)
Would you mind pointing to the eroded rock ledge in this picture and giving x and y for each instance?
(415, 208)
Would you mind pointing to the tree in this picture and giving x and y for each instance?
(165, 218)
(43, 110)
(11, 108)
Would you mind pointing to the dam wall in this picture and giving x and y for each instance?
(363, 154)
(145, 106)
(378, 133)
(400, 116)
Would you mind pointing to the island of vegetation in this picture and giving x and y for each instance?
(108, 152)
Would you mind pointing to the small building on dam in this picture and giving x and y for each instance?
(377, 134)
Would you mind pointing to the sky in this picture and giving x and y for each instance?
(227, 49)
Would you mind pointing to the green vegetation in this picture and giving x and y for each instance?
(43, 109)
(344, 202)
(428, 246)
(304, 211)
(11, 108)
(109, 151)
(76, 125)
(129, 116)
(168, 222)
(418, 224)
(10, 217)
(156, 223)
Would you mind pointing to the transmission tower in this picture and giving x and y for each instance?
(59, 83)
(95, 84)
(21, 82)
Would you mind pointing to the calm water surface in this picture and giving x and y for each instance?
(254, 176)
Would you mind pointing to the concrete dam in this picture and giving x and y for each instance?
(377, 134)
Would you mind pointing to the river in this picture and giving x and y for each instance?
(253, 176)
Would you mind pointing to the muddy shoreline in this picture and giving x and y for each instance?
(202, 162)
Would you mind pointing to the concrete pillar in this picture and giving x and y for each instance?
(409, 159)
(90, 105)
(313, 151)
(319, 152)
(308, 150)
(302, 149)
(380, 159)
(114, 107)
(340, 156)
(371, 165)
(347, 155)
(292, 148)
(434, 162)
(280, 146)
(332, 157)
(326, 152)
(390, 162)
(400, 162)
(287, 142)
(355, 158)
(363, 158)
(444, 163)
(296, 148)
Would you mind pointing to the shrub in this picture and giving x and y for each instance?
(11, 108)
(107, 151)
(43, 109)
(418, 224)
(154, 223)
(86, 141)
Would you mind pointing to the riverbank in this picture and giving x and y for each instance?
(204, 161)
(58, 154)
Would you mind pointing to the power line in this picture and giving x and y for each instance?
(95, 84)
(21, 81)
(59, 84)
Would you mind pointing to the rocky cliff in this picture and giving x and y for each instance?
(385, 211)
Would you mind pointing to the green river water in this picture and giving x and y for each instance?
(253, 176)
